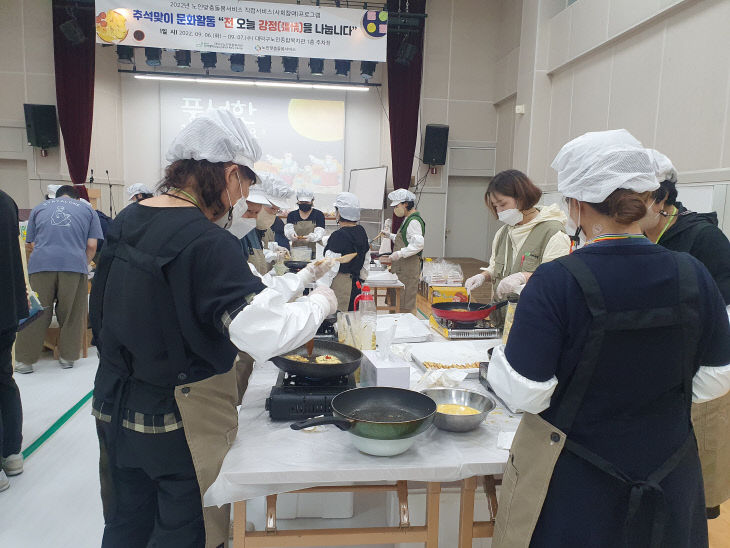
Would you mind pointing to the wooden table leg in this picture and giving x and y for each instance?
(466, 512)
(404, 513)
(491, 492)
(271, 513)
(239, 524)
(398, 292)
(433, 499)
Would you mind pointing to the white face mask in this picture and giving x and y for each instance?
(227, 220)
(510, 216)
(574, 230)
(265, 219)
(241, 225)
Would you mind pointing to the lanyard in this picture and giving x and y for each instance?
(609, 237)
(666, 226)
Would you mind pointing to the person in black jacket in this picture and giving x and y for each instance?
(671, 225)
(14, 299)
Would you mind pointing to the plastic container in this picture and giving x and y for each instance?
(365, 304)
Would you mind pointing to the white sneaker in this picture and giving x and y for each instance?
(65, 364)
(4, 481)
(23, 367)
(13, 464)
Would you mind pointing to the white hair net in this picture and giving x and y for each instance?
(348, 205)
(257, 195)
(304, 195)
(663, 167)
(276, 191)
(138, 188)
(52, 189)
(401, 195)
(216, 136)
(593, 165)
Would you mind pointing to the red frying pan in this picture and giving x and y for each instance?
(465, 312)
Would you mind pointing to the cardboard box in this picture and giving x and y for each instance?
(447, 294)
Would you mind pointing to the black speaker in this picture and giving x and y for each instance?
(434, 144)
(40, 123)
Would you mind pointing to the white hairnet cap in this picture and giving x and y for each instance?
(52, 189)
(138, 188)
(663, 167)
(348, 205)
(257, 195)
(401, 195)
(593, 165)
(216, 136)
(276, 191)
(305, 195)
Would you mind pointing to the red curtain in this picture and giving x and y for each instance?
(404, 96)
(75, 85)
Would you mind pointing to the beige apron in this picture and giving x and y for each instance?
(408, 271)
(527, 260)
(210, 421)
(305, 228)
(535, 450)
(711, 421)
(342, 286)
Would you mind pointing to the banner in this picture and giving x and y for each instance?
(255, 28)
(301, 134)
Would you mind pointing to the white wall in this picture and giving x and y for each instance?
(27, 76)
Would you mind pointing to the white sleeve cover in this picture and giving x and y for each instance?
(288, 286)
(365, 270)
(710, 383)
(271, 326)
(289, 231)
(316, 235)
(415, 241)
(327, 278)
(518, 392)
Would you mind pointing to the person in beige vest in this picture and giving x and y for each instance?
(173, 304)
(407, 257)
(531, 235)
(609, 347)
(671, 225)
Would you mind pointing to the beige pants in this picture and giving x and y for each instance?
(68, 290)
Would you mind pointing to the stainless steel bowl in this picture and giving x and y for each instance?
(460, 423)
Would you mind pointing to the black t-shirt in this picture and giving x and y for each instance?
(350, 239)
(316, 216)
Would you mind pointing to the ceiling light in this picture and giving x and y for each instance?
(342, 67)
(316, 66)
(253, 82)
(125, 55)
(367, 69)
(182, 58)
(264, 63)
(209, 59)
(291, 64)
(237, 62)
(153, 56)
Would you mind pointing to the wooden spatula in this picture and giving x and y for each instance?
(342, 260)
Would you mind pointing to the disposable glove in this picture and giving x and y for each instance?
(510, 284)
(477, 280)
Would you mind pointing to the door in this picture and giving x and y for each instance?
(467, 218)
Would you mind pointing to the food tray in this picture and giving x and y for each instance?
(453, 355)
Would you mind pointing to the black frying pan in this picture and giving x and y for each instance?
(349, 356)
(296, 266)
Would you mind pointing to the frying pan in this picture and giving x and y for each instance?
(349, 356)
(465, 312)
(295, 266)
(383, 421)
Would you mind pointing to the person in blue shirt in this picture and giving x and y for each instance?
(63, 232)
(609, 348)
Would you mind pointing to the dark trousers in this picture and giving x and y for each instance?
(11, 412)
(149, 490)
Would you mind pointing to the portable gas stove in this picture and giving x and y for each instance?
(449, 329)
(296, 398)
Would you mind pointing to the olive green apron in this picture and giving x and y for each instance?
(305, 228)
(342, 286)
(537, 444)
(408, 271)
(210, 421)
(527, 260)
(711, 422)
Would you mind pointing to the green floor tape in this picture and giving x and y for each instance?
(28, 451)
